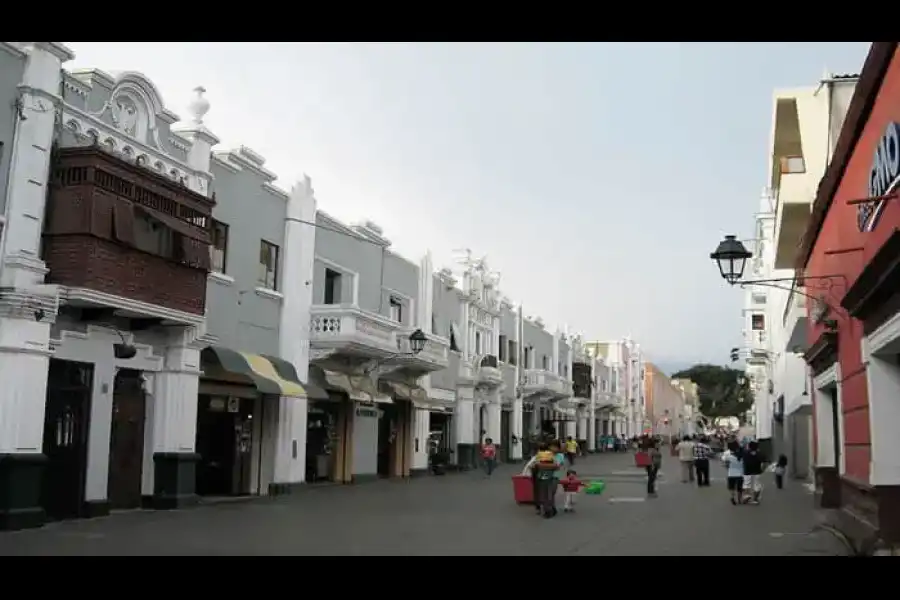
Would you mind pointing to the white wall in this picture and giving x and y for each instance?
(365, 441)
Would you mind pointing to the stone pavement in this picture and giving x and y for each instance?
(458, 514)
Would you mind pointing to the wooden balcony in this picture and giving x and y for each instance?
(120, 229)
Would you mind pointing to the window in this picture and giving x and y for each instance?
(434, 324)
(478, 346)
(503, 350)
(218, 249)
(333, 282)
(545, 362)
(396, 308)
(758, 322)
(454, 338)
(513, 354)
(792, 164)
(759, 298)
(528, 357)
(268, 265)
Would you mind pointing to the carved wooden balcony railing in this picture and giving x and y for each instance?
(118, 228)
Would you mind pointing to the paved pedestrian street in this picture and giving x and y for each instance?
(458, 514)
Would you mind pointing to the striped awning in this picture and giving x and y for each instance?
(269, 374)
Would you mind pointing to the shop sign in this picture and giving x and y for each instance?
(883, 177)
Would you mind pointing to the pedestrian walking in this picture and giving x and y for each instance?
(546, 481)
(541, 455)
(571, 450)
(702, 454)
(685, 452)
(735, 465)
(655, 465)
(488, 456)
(754, 462)
(780, 470)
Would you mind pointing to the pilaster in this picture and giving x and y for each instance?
(299, 253)
(172, 423)
(421, 421)
(515, 452)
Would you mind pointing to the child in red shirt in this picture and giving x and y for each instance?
(488, 455)
(571, 485)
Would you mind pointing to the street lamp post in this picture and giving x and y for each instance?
(731, 257)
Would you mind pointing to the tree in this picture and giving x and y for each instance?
(722, 391)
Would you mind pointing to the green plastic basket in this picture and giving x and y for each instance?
(595, 488)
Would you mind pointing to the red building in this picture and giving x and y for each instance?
(854, 353)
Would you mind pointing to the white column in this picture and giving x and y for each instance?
(24, 331)
(554, 368)
(425, 302)
(171, 430)
(515, 453)
(30, 163)
(299, 259)
(464, 418)
(421, 430)
(494, 410)
(23, 385)
(592, 427)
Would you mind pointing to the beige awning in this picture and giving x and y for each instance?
(359, 388)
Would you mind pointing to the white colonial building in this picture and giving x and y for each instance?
(805, 127)
(157, 344)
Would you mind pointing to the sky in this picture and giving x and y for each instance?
(595, 177)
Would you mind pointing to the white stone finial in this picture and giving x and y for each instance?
(199, 106)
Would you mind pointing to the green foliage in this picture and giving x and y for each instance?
(723, 391)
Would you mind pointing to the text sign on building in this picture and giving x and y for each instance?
(883, 176)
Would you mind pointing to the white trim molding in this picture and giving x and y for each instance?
(879, 350)
(826, 444)
(354, 275)
(85, 295)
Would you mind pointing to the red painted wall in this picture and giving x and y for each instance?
(840, 233)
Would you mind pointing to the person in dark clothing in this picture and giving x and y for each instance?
(652, 448)
(702, 454)
(780, 470)
(754, 464)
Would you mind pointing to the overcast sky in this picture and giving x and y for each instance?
(595, 177)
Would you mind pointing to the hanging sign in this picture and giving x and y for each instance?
(883, 177)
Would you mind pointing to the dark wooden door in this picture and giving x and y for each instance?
(387, 433)
(216, 439)
(66, 426)
(126, 440)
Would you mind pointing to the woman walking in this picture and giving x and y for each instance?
(733, 460)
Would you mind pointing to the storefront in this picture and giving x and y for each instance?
(853, 243)
(343, 427)
(237, 419)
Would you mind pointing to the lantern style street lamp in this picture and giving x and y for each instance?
(731, 257)
(417, 341)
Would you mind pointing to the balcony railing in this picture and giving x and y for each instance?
(541, 381)
(342, 327)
